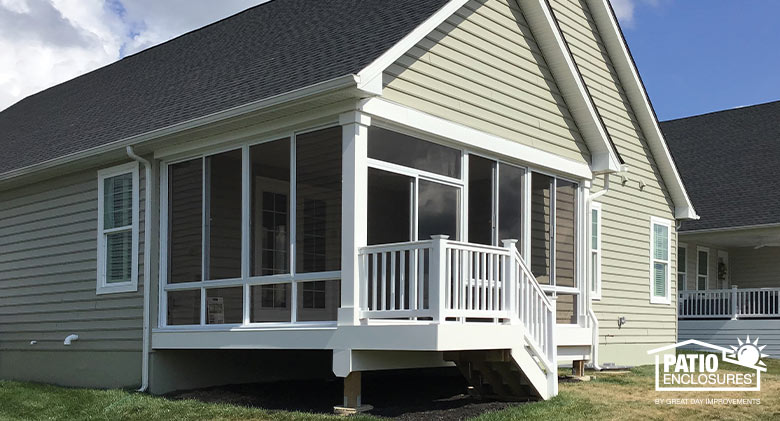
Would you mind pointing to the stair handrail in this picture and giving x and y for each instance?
(547, 353)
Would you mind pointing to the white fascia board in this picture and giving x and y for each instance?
(371, 75)
(332, 85)
(447, 130)
(637, 96)
(568, 78)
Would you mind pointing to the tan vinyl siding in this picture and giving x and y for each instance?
(628, 207)
(48, 258)
(755, 268)
(483, 69)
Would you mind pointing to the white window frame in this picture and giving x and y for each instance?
(682, 270)
(118, 287)
(667, 298)
(595, 293)
(706, 267)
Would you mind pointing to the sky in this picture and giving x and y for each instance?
(699, 56)
(695, 56)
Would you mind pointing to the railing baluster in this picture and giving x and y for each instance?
(384, 280)
(402, 282)
(469, 291)
(392, 280)
(413, 280)
(421, 281)
(483, 283)
(374, 291)
(462, 280)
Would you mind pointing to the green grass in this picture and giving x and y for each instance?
(631, 396)
(26, 401)
(627, 396)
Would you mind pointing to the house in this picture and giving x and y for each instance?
(305, 189)
(729, 260)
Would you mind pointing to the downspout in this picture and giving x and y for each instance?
(147, 266)
(594, 348)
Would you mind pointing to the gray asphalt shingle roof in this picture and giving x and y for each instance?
(264, 51)
(730, 164)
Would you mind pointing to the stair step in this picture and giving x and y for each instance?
(493, 374)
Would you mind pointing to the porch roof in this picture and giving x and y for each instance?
(728, 161)
(271, 49)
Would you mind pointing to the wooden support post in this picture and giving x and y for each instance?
(352, 396)
(352, 386)
(578, 368)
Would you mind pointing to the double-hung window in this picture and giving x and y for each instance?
(117, 248)
(595, 250)
(660, 259)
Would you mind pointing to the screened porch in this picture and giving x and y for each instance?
(256, 235)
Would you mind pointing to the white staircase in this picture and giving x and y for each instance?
(444, 281)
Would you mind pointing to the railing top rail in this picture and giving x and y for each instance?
(535, 285)
(395, 246)
(482, 247)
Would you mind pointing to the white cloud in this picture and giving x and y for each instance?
(46, 42)
(624, 10)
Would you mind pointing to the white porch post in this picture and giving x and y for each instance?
(354, 154)
(438, 282)
(514, 281)
(734, 307)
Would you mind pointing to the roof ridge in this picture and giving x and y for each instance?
(739, 108)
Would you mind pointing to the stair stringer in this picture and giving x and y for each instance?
(544, 382)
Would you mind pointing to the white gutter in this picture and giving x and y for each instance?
(147, 266)
(594, 347)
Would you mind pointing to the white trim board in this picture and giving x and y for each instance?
(370, 78)
(555, 50)
(628, 74)
(448, 130)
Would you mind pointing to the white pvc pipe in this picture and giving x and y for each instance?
(69, 339)
(147, 266)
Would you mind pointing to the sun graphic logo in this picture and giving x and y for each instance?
(694, 365)
(747, 354)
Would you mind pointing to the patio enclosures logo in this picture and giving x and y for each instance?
(703, 369)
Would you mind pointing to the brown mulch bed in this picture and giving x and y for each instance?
(408, 395)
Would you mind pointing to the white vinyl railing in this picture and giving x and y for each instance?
(536, 310)
(731, 303)
(450, 281)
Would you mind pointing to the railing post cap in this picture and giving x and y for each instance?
(733, 287)
(440, 237)
(509, 243)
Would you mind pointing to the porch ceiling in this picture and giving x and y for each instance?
(746, 237)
